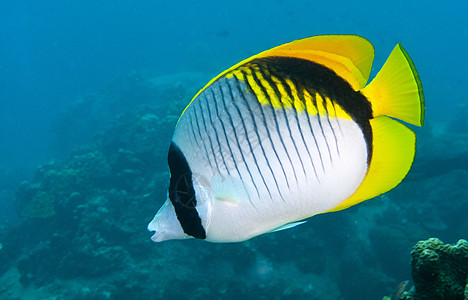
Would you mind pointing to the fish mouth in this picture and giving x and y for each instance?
(157, 237)
(161, 235)
(166, 225)
(164, 232)
(158, 232)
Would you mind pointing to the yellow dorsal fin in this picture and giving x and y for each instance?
(350, 56)
(396, 91)
(394, 147)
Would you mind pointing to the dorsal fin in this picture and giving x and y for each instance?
(350, 56)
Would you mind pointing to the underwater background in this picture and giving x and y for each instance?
(90, 92)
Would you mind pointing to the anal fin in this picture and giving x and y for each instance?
(393, 150)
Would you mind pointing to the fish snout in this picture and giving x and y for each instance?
(166, 225)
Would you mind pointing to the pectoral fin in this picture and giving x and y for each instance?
(228, 188)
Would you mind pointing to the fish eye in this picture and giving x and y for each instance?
(181, 191)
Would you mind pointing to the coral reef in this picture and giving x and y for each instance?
(440, 271)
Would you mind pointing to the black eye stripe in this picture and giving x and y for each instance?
(182, 194)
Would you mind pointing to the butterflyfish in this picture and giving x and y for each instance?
(287, 134)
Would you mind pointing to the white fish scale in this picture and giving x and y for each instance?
(275, 152)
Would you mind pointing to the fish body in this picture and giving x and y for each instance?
(287, 134)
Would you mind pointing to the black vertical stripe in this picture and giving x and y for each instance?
(182, 194)
(319, 119)
(296, 114)
(234, 131)
(279, 96)
(205, 130)
(275, 117)
(336, 117)
(207, 103)
(329, 123)
(290, 95)
(317, 77)
(300, 94)
(254, 122)
(228, 144)
(192, 126)
(257, 81)
(247, 137)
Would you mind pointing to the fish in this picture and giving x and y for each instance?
(287, 134)
(399, 291)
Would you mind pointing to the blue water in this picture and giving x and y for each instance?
(54, 54)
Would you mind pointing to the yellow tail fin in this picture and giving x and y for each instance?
(396, 91)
